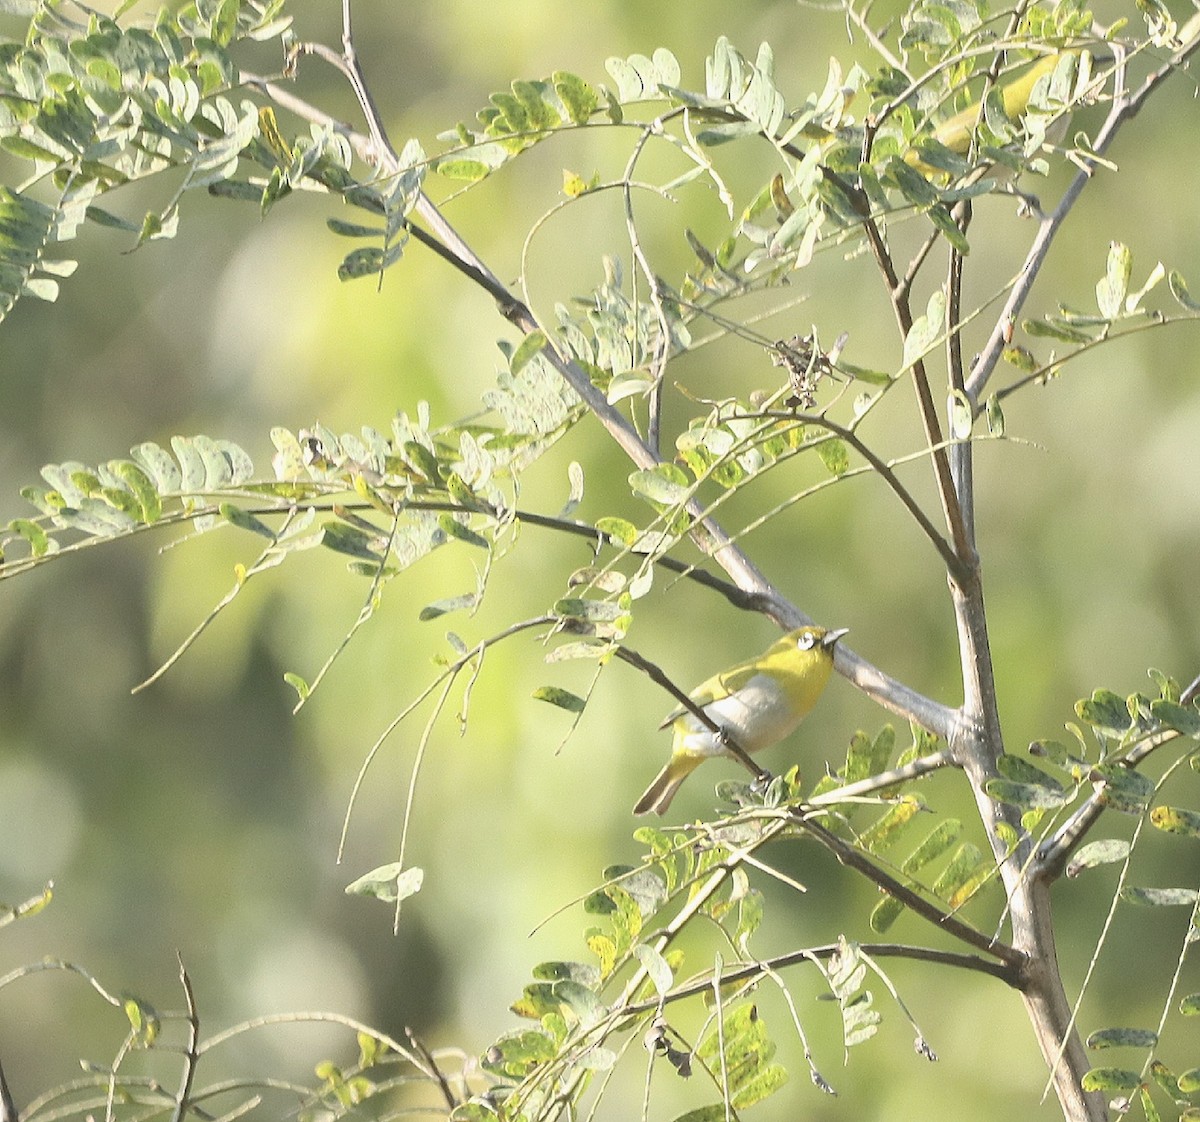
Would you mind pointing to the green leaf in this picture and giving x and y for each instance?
(142, 488)
(1179, 290)
(593, 611)
(25, 227)
(1110, 1079)
(518, 1053)
(352, 229)
(302, 688)
(1161, 897)
(866, 757)
(1182, 718)
(937, 842)
(885, 830)
(1028, 796)
(1189, 1081)
(659, 973)
(1055, 328)
(143, 1019)
(715, 1112)
(465, 169)
(561, 698)
(475, 1110)
(244, 520)
(530, 346)
(1175, 820)
(912, 184)
(423, 460)
(619, 529)
(370, 261)
(467, 602)
(584, 648)
(926, 330)
(834, 456)
(40, 543)
(1122, 1038)
(1189, 1006)
(1165, 1078)
(740, 1052)
(1124, 790)
(160, 466)
(766, 1081)
(962, 876)
(457, 529)
(1105, 712)
(558, 971)
(390, 883)
(885, 913)
(1112, 288)
(1107, 851)
(662, 485)
(581, 1000)
(578, 97)
(948, 228)
(350, 540)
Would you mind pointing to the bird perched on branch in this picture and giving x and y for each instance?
(957, 133)
(755, 703)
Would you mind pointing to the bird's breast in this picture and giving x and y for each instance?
(757, 715)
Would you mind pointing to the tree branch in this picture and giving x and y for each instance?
(1123, 109)
(1012, 959)
(190, 1054)
(8, 1108)
(711, 539)
(808, 954)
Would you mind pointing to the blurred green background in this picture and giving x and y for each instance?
(199, 816)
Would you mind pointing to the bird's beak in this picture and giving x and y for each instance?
(831, 637)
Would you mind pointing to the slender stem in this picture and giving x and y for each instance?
(8, 1108)
(1123, 109)
(885, 472)
(659, 365)
(190, 1055)
(808, 954)
(913, 900)
(915, 769)
(898, 294)
(962, 453)
(658, 675)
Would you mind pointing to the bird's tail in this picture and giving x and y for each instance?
(659, 794)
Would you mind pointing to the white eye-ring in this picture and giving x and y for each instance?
(807, 641)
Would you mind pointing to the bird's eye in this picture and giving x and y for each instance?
(807, 641)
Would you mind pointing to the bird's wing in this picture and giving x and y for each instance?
(717, 687)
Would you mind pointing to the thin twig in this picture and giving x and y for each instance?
(1013, 959)
(190, 1054)
(915, 769)
(419, 1048)
(659, 364)
(8, 1108)
(876, 950)
(657, 675)
(1124, 108)
(885, 472)
(898, 294)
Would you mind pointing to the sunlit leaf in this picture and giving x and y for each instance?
(561, 698)
(390, 883)
(1104, 852)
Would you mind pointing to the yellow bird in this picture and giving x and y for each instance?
(757, 703)
(957, 132)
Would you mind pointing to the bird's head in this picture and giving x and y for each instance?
(817, 638)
